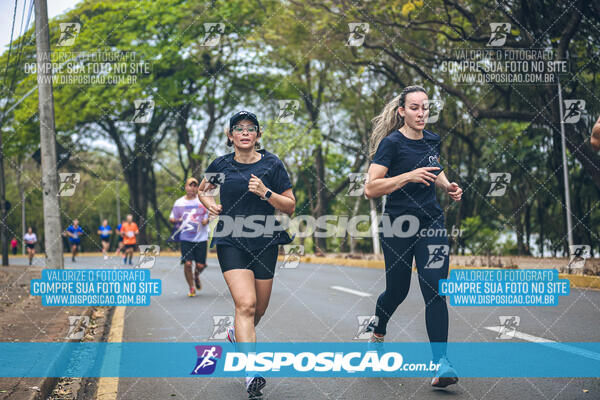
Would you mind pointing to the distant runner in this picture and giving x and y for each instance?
(30, 241)
(74, 233)
(190, 219)
(129, 230)
(105, 231)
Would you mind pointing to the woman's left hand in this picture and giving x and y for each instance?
(454, 191)
(256, 186)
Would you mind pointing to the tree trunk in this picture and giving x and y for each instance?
(354, 213)
(137, 181)
(22, 197)
(519, 226)
(527, 228)
(541, 221)
(321, 205)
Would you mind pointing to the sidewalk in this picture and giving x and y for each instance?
(24, 319)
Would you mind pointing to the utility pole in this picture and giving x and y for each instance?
(3, 231)
(52, 226)
(565, 170)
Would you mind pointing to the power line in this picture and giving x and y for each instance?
(12, 30)
(19, 57)
(22, 41)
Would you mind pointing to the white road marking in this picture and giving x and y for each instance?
(555, 344)
(351, 291)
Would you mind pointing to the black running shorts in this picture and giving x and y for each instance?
(193, 251)
(261, 261)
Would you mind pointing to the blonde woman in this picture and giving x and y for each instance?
(405, 166)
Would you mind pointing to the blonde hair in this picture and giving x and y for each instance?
(389, 119)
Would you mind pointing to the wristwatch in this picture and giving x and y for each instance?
(267, 195)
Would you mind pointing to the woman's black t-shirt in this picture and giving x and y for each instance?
(401, 154)
(238, 201)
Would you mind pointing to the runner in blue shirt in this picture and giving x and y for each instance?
(252, 183)
(405, 165)
(74, 233)
(105, 231)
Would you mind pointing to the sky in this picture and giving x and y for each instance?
(7, 7)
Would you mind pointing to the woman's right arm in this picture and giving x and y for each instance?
(208, 201)
(377, 185)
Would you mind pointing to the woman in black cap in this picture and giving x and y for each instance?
(253, 183)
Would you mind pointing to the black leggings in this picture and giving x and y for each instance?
(432, 257)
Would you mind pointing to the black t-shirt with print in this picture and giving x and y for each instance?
(401, 154)
(238, 201)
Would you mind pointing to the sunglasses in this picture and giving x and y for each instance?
(193, 183)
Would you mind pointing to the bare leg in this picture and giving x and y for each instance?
(199, 268)
(263, 295)
(187, 271)
(243, 291)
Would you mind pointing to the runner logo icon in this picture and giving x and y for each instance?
(207, 359)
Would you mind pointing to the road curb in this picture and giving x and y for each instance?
(582, 281)
(576, 281)
(48, 383)
(107, 388)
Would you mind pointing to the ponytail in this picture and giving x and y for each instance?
(389, 119)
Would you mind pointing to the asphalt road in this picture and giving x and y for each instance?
(305, 306)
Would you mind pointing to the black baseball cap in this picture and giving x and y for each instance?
(242, 115)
